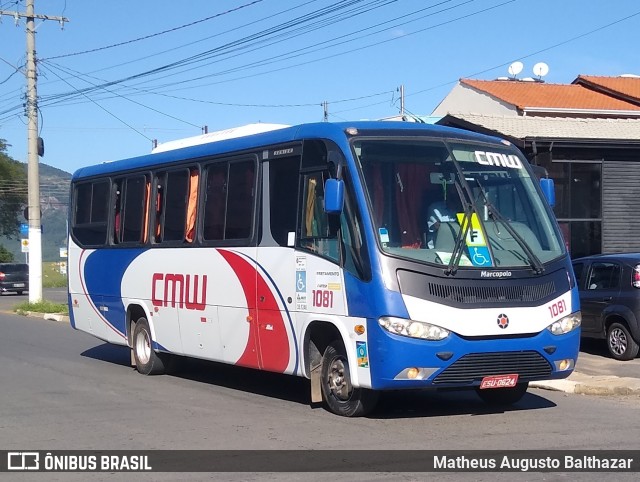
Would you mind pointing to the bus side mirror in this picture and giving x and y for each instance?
(549, 191)
(333, 196)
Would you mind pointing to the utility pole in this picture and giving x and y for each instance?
(33, 174)
(325, 107)
(402, 101)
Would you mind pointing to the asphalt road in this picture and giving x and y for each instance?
(63, 389)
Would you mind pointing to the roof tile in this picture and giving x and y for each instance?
(525, 95)
(628, 86)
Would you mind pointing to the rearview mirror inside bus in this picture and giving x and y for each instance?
(333, 196)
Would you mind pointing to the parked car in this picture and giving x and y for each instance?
(609, 287)
(14, 277)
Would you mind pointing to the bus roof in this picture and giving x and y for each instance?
(278, 135)
(217, 136)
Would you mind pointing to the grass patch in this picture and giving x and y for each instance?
(51, 277)
(43, 306)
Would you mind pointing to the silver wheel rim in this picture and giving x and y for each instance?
(338, 378)
(618, 341)
(143, 347)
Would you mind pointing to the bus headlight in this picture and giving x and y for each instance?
(413, 329)
(566, 324)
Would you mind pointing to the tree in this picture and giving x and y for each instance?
(5, 256)
(13, 192)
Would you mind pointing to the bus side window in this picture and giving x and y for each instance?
(283, 197)
(319, 230)
(215, 202)
(175, 205)
(230, 200)
(240, 200)
(91, 213)
(134, 210)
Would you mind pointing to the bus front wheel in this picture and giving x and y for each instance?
(340, 396)
(503, 396)
(147, 360)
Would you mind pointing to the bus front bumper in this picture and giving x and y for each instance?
(399, 362)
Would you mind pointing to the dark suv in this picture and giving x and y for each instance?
(609, 286)
(14, 277)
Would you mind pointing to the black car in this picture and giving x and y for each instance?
(609, 286)
(14, 277)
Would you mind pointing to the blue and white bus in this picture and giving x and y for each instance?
(322, 251)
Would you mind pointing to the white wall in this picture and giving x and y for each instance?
(465, 99)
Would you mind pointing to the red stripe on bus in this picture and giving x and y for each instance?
(268, 343)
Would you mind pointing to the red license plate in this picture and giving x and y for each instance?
(499, 381)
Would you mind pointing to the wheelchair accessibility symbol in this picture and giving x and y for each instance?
(479, 255)
(301, 281)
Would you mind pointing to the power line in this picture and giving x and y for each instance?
(231, 104)
(127, 42)
(216, 51)
(103, 108)
(49, 66)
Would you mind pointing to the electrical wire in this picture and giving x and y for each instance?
(49, 67)
(157, 34)
(106, 110)
(204, 55)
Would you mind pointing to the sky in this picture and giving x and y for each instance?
(122, 74)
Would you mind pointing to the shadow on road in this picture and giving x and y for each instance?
(396, 404)
(443, 403)
(119, 355)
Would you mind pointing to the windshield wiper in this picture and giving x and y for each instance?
(458, 248)
(534, 261)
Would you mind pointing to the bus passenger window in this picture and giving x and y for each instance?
(215, 203)
(283, 197)
(319, 230)
(175, 206)
(134, 209)
(91, 213)
(240, 200)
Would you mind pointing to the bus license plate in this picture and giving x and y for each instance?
(499, 381)
(18, 285)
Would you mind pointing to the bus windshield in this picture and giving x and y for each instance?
(456, 203)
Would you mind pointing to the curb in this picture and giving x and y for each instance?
(592, 385)
(48, 316)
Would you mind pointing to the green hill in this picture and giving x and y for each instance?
(54, 203)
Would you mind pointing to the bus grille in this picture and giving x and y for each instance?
(529, 365)
(486, 294)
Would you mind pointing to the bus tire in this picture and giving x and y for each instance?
(503, 396)
(339, 395)
(147, 360)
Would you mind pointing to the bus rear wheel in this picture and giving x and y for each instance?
(147, 360)
(503, 396)
(340, 396)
